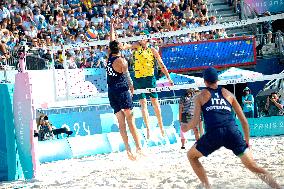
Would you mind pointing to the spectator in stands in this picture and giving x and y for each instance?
(274, 105)
(4, 12)
(248, 103)
(63, 21)
(266, 34)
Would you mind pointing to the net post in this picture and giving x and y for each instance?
(53, 71)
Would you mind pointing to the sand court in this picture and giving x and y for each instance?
(163, 167)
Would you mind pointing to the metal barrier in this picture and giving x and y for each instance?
(279, 41)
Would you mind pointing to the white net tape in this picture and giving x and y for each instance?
(175, 33)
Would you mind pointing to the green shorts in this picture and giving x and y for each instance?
(143, 83)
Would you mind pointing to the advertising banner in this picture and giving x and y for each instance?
(265, 126)
(261, 6)
(218, 53)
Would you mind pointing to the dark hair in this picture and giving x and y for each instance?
(114, 48)
(210, 75)
(45, 118)
(272, 94)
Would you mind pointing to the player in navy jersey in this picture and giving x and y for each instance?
(119, 87)
(217, 105)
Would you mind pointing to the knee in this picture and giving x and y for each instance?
(191, 155)
(143, 103)
(154, 101)
(128, 113)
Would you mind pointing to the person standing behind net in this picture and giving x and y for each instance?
(186, 108)
(144, 65)
(217, 104)
(119, 84)
(248, 103)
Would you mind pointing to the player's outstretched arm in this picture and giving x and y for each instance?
(161, 64)
(112, 32)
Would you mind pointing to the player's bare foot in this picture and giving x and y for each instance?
(130, 155)
(140, 153)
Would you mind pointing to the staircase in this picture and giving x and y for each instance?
(226, 13)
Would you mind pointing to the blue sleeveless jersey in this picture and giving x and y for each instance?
(217, 112)
(116, 81)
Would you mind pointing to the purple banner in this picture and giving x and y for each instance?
(261, 6)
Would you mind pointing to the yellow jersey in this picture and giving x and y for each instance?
(144, 62)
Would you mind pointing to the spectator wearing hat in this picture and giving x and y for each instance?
(248, 103)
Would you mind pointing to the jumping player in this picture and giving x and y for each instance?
(144, 65)
(217, 106)
(119, 83)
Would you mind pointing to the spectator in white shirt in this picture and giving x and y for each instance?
(32, 32)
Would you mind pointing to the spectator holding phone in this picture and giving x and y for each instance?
(274, 105)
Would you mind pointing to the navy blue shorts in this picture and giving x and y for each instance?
(120, 100)
(229, 137)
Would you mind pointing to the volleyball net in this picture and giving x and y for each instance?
(178, 52)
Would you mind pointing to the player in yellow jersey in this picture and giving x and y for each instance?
(144, 62)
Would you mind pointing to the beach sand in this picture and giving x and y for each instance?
(164, 167)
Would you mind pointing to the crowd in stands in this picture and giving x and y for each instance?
(42, 23)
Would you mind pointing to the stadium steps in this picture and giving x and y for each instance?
(226, 13)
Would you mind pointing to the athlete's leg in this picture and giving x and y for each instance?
(182, 138)
(145, 114)
(132, 127)
(250, 163)
(193, 156)
(122, 129)
(157, 109)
